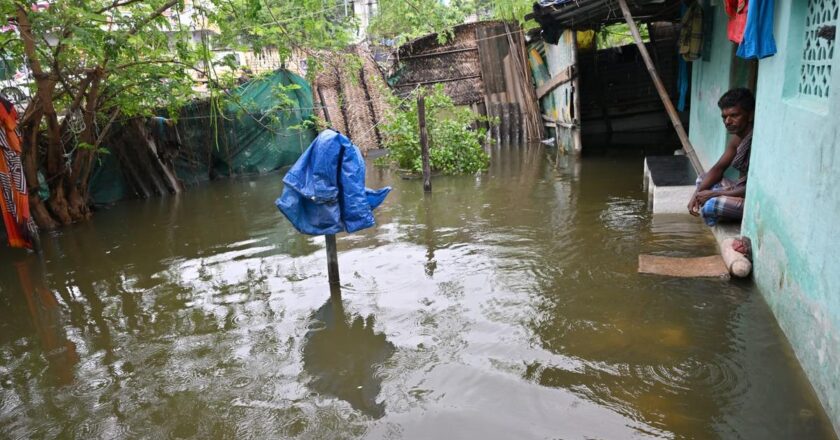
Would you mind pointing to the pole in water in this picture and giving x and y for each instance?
(332, 259)
(332, 251)
(424, 143)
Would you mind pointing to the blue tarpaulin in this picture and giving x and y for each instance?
(325, 190)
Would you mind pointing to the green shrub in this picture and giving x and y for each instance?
(454, 133)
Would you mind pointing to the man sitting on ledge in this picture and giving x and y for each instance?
(718, 198)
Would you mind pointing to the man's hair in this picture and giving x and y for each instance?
(739, 97)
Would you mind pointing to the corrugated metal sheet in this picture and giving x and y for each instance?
(591, 14)
(509, 93)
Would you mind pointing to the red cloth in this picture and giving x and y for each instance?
(14, 200)
(737, 12)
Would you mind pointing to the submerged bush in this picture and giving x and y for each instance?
(454, 133)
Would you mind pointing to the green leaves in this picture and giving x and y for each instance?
(454, 135)
(285, 25)
(405, 20)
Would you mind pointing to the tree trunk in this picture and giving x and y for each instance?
(30, 170)
(78, 184)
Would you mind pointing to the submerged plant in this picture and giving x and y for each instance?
(455, 134)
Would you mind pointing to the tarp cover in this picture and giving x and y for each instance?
(258, 130)
(325, 190)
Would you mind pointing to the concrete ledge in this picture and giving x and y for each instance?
(670, 182)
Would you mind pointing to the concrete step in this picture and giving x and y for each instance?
(670, 182)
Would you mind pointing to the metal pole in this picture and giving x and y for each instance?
(424, 144)
(663, 94)
(332, 250)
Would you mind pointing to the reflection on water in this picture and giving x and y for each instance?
(504, 305)
(46, 317)
(343, 354)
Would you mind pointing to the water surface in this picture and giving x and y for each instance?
(504, 306)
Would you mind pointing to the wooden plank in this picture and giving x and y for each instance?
(699, 267)
(490, 59)
(565, 76)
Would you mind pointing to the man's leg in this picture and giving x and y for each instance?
(722, 208)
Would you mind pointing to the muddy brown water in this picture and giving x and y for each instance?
(504, 306)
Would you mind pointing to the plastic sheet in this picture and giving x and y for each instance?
(325, 190)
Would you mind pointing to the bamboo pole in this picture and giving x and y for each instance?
(663, 94)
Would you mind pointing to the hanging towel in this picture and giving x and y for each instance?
(691, 34)
(325, 192)
(737, 12)
(758, 39)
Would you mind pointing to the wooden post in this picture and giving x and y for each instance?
(505, 123)
(424, 144)
(663, 94)
(332, 259)
(332, 249)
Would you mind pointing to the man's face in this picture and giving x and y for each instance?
(736, 119)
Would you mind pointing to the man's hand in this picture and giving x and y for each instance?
(703, 196)
(693, 206)
(698, 200)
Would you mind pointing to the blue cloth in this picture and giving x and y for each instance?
(758, 39)
(325, 192)
(682, 74)
(682, 83)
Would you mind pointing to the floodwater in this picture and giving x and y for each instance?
(503, 306)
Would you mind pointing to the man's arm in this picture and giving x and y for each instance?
(713, 176)
(702, 196)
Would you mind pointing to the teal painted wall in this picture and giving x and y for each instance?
(709, 80)
(793, 203)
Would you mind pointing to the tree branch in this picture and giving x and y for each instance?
(104, 131)
(140, 63)
(117, 4)
(157, 13)
(25, 28)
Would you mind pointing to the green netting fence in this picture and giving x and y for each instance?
(259, 130)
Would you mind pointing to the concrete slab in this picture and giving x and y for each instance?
(670, 182)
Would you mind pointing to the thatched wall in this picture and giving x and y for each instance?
(455, 64)
(482, 65)
(354, 99)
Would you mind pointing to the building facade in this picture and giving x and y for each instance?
(792, 204)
